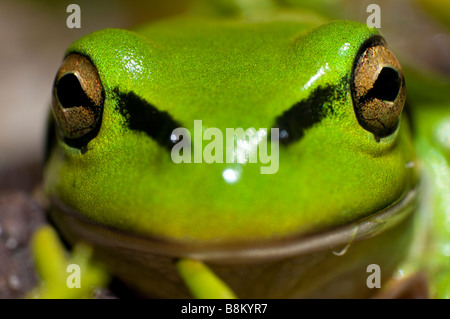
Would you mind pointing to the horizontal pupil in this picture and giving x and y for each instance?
(70, 93)
(387, 85)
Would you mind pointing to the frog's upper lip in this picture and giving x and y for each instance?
(338, 239)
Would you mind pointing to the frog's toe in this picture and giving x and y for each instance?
(64, 276)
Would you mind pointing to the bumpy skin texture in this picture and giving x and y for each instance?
(230, 74)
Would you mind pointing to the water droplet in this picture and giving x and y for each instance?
(342, 251)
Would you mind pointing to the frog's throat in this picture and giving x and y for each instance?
(337, 239)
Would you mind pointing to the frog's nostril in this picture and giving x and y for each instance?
(387, 85)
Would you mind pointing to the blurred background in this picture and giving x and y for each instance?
(34, 36)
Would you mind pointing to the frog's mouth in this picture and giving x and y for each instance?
(76, 227)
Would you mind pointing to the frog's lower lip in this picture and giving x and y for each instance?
(337, 239)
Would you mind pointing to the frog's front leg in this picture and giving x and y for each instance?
(55, 270)
(202, 282)
(62, 276)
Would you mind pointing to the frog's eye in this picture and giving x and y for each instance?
(378, 88)
(77, 99)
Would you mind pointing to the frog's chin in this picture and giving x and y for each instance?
(75, 227)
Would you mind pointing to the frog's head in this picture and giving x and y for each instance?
(334, 91)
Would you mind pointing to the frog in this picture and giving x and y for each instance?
(346, 194)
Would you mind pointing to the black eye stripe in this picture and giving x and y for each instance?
(159, 125)
(143, 116)
(304, 114)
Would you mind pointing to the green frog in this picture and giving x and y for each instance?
(325, 99)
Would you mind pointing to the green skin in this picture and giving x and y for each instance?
(192, 78)
(230, 74)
